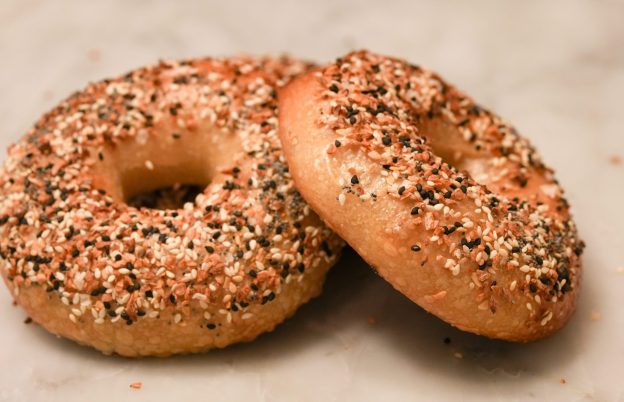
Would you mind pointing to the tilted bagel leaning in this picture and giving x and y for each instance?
(443, 198)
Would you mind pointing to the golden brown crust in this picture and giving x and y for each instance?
(223, 269)
(442, 197)
(162, 336)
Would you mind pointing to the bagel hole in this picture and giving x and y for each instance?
(447, 143)
(165, 171)
(170, 197)
(162, 186)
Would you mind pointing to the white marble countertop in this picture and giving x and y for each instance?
(555, 69)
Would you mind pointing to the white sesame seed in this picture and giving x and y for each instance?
(341, 199)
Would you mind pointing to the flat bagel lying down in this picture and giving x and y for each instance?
(443, 198)
(230, 264)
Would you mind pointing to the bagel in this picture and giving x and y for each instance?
(136, 281)
(443, 198)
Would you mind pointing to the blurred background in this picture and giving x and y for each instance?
(553, 68)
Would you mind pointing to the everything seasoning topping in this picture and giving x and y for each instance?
(396, 105)
(224, 251)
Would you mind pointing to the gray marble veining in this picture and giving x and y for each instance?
(555, 69)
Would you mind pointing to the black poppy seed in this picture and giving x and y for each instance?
(523, 181)
(325, 247)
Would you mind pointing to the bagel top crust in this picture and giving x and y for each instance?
(246, 235)
(499, 216)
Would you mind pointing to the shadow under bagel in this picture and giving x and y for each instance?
(357, 311)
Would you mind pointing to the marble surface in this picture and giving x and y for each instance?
(555, 69)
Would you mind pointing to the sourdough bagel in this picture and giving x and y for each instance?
(224, 268)
(443, 198)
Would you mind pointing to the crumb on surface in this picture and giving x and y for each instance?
(615, 160)
(94, 55)
(47, 95)
(136, 385)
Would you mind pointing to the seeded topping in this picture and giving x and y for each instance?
(234, 245)
(486, 228)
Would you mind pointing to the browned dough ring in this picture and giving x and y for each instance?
(443, 198)
(225, 268)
